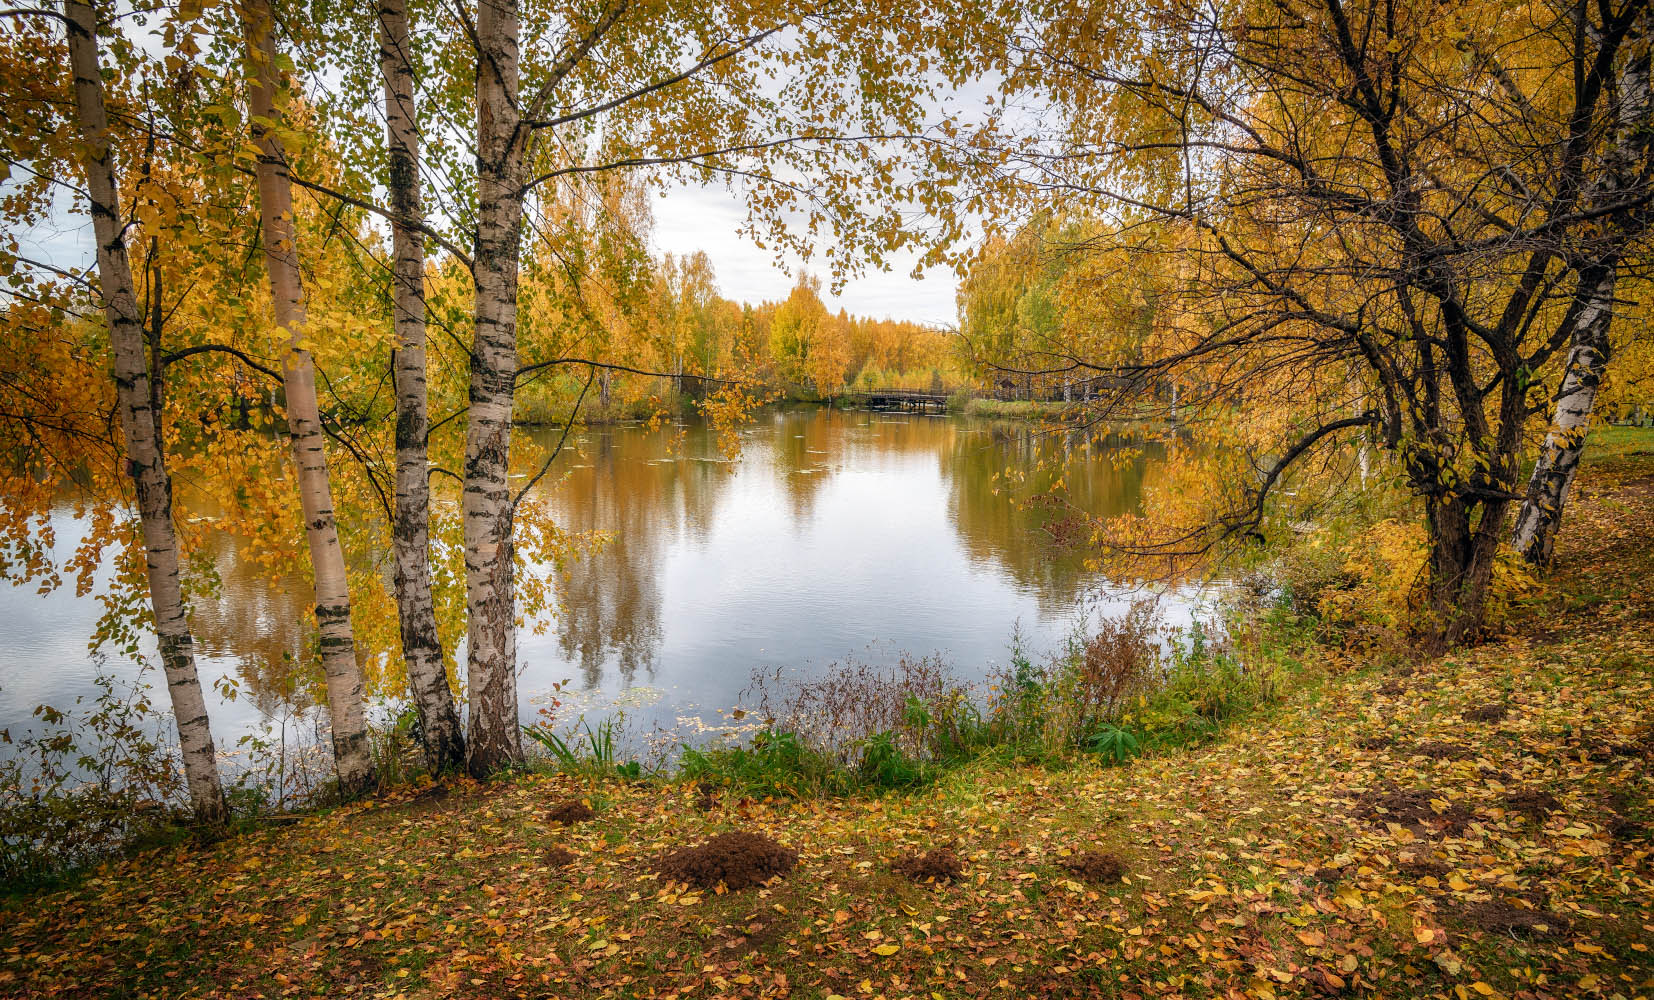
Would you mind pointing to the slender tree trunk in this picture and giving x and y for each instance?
(493, 737)
(1540, 516)
(433, 700)
(146, 460)
(327, 557)
(1553, 474)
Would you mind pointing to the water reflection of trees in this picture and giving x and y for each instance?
(806, 447)
(646, 490)
(642, 490)
(1001, 523)
(267, 631)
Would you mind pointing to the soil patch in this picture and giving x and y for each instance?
(1410, 807)
(1506, 917)
(1376, 742)
(938, 864)
(569, 813)
(1616, 819)
(1532, 803)
(1419, 868)
(1493, 711)
(1437, 750)
(739, 860)
(558, 857)
(1392, 688)
(1096, 866)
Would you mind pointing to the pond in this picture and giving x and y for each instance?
(831, 535)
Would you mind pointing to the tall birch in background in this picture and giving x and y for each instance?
(421, 647)
(136, 395)
(327, 558)
(1620, 194)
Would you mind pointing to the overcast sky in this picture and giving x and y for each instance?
(690, 218)
(687, 218)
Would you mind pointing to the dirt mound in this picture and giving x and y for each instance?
(1096, 866)
(569, 813)
(1509, 917)
(559, 857)
(1392, 688)
(1422, 868)
(1599, 748)
(1437, 750)
(1616, 816)
(1493, 711)
(738, 860)
(939, 864)
(1376, 742)
(1532, 803)
(1411, 808)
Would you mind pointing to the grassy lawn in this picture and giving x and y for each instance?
(1471, 827)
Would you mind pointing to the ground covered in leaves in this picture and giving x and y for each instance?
(1477, 826)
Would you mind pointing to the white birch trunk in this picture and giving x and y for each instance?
(1553, 474)
(493, 737)
(327, 558)
(1540, 515)
(433, 700)
(146, 461)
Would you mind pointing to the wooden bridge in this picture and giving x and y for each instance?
(905, 399)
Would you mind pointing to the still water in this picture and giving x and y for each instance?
(831, 535)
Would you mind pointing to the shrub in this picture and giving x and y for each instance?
(917, 702)
(775, 763)
(1128, 686)
(885, 766)
(95, 779)
(1052, 709)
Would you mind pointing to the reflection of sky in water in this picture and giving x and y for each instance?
(833, 535)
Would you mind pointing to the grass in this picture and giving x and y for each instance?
(1618, 441)
(1255, 863)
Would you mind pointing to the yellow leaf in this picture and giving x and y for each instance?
(1458, 884)
(887, 949)
(1482, 988)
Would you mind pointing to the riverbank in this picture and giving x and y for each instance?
(1472, 826)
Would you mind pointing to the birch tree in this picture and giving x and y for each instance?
(137, 394)
(327, 558)
(421, 647)
(1620, 194)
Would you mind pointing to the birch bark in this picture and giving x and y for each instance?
(1553, 474)
(433, 700)
(338, 647)
(1540, 515)
(493, 736)
(137, 395)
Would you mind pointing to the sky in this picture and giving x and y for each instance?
(709, 217)
(687, 218)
